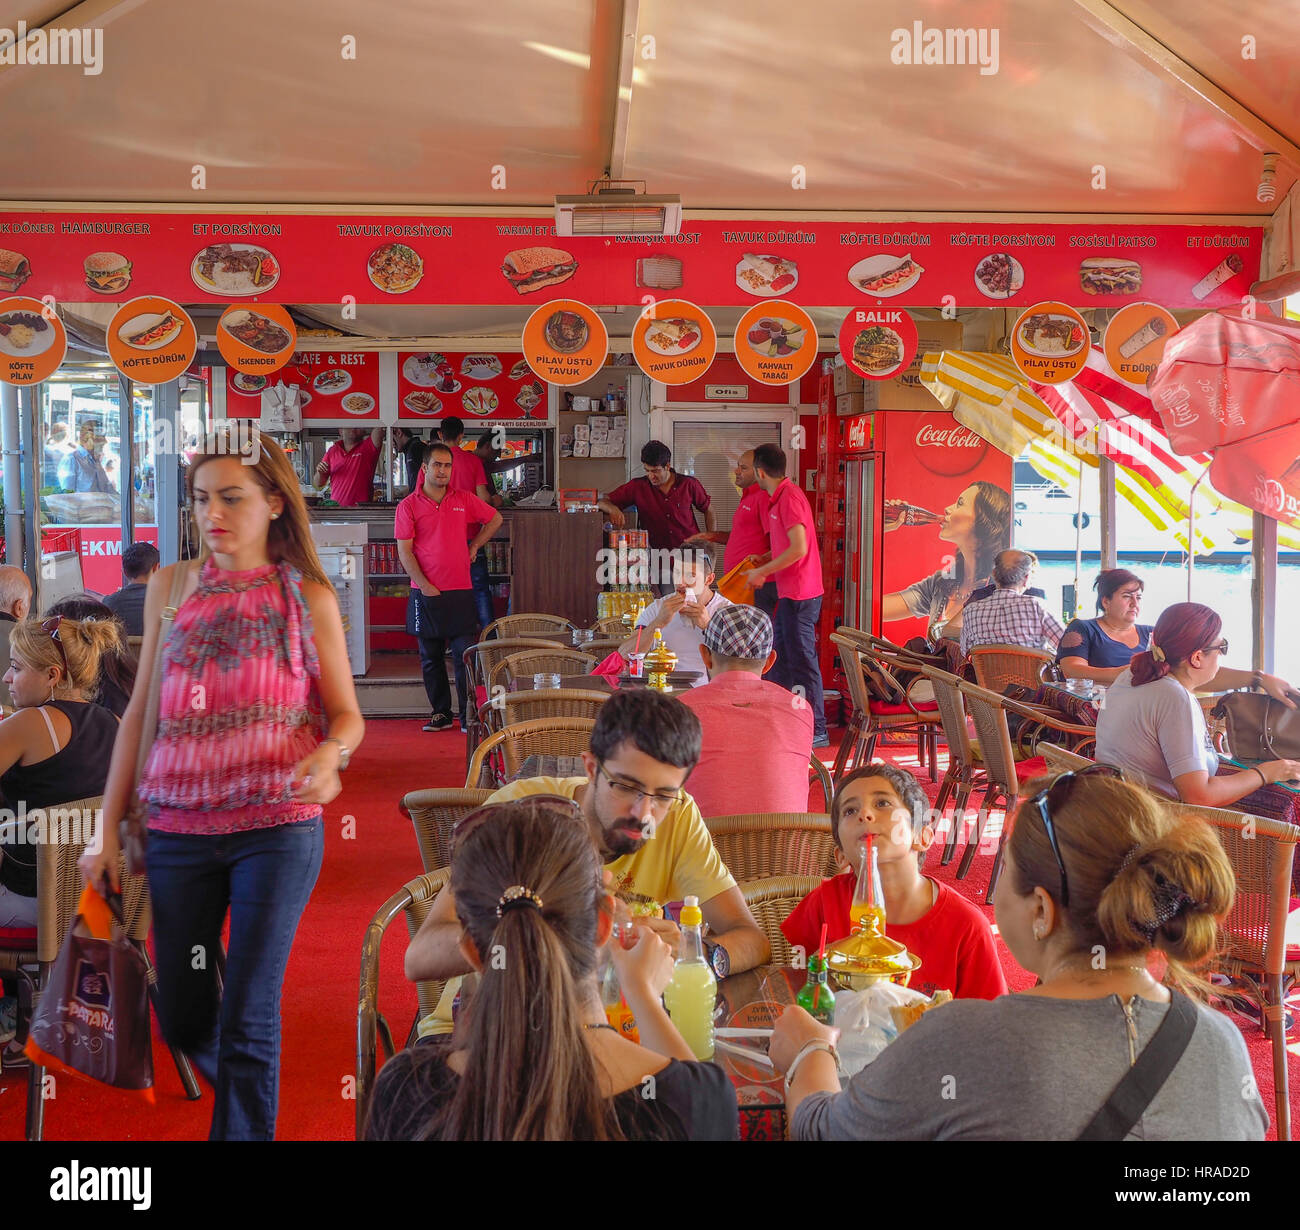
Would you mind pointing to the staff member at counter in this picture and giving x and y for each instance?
(411, 448)
(432, 528)
(349, 466)
(665, 501)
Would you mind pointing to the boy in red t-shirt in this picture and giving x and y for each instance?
(950, 935)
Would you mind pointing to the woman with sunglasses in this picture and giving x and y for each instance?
(57, 745)
(533, 1057)
(1152, 726)
(257, 716)
(1100, 874)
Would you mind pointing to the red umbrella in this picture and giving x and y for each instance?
(1230, 386)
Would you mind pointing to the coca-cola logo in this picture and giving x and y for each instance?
(947, 448)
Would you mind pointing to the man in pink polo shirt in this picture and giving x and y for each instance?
(797, 568)
(435, 547)
(468, 474)
(748, 535)
(349, 466)
(757, 737)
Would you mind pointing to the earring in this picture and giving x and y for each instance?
(1038, 931)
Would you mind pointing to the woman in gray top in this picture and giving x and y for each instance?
(1099, 873)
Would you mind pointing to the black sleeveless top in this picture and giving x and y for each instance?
(78, 770)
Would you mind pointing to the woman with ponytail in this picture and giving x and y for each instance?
(1152, 726)
(57, 747)
(533, 1057)
(1101, 876)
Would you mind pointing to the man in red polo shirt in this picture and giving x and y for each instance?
(796, 567)
(435, 547)
(349, 466)
(468, 474)
(748, 535)
(665, 502)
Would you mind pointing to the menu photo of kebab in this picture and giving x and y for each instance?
(234, 269)
(151, 330)
(673, 336)
(1110, 275)
(14, 270)
(333, 382)
(395, 268)
(530, 269)
(1050, 336)
(999, 276)
(248, 383)
(878, 350)
(765, 276)
(107, 272)
(566, 332)
(884, 275)
(1227, 268)
(25, 334)
(256, 331)
(480, 366)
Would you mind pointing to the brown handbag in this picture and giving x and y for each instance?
(131, 830)
(1258, 727)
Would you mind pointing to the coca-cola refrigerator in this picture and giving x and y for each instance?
(927, 504)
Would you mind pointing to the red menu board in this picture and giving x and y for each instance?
(276, 257)
(433, 385)
(340, 386)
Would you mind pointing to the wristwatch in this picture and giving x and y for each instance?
(719, 958)
(344, 754)
(1257, 681)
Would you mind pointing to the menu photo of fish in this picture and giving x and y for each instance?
(765, 276)
(256, 331)
(878, 350)
(234, 269)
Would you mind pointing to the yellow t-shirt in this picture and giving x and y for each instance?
(679, 861)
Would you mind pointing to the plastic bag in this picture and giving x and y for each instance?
(865, 1024)
(93, 1016)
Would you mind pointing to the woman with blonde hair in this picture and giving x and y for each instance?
(257, 715)
(57, 745)
(1100, 877)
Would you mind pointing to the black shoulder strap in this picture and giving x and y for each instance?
(1131, 1097)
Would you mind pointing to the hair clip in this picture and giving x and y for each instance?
(516, 896)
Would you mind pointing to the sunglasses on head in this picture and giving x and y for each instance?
(1055, 795)
(51, 626)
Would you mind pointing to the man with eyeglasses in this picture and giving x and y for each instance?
(653, 841)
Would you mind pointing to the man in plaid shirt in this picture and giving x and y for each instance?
(1009, 616)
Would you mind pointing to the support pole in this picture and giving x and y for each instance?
(166, 469)
(12, 448)
(1109, 511)
(1263, 592)
(125, 470)
(31, 561)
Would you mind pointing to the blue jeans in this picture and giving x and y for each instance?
(481, 581)
(796, 666)
(264, 877)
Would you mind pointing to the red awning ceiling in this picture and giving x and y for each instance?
(1230, 386)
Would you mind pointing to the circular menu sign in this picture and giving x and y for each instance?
(151, 339)
(776, 342)
(565, 342)
(1050, 343)
(674, 341)
(257, 340)
(878, 343)
(32, 341)
(1135, 339)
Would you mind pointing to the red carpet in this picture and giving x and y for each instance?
(319, 1011)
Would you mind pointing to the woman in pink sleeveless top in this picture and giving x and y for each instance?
(257, 716)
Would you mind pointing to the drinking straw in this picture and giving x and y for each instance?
(821, 953)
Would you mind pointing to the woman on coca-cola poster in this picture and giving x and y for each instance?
(978, 525)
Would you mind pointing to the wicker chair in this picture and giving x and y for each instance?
(435, 814)
(1253, 935)
(964, 773)
(1037, 720)
(512, 707)
(997, 667)
(874, 690)
(610, 625)
(540, 737)
(819, 773)
(414, 899)
(526, 625)
(550, 661)
(774, 844)
(480, 658)
(770, 901)
(1059, 759)
(58, 889)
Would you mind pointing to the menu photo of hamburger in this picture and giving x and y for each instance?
(884, 275)
(673, 336)
(395, 268)
(766, 276)
(1051, 336)
(24, 335)
(151, 330)
(107, 272)
(566, 332)
(256, 331)
(235, 269)
(529, 269)
(878, 350)
(14, 270)
(1110, 275)
(774, 337)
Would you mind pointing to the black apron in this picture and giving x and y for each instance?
(443, 618)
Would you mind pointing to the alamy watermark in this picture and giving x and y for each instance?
(946, 45)
(647, 565)
(55, 46)
(56, 826)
